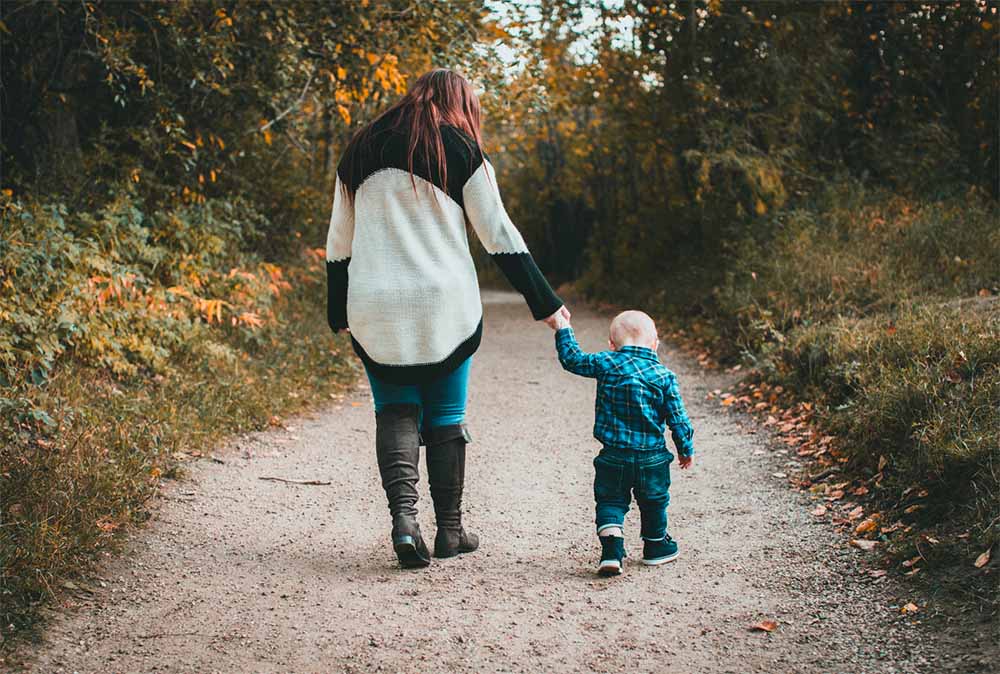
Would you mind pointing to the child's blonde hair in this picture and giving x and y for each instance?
(633, 327)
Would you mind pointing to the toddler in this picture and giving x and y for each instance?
(636, 398)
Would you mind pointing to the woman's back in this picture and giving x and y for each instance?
(400, 272)
(411, 257)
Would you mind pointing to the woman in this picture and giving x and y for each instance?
(401, 279)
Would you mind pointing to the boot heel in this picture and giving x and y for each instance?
(409, 554)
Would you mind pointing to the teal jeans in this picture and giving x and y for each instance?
(620, 473)
(441, 401)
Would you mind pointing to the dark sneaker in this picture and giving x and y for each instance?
(612, 556)
(659, 552)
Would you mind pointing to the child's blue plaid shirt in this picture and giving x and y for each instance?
(636, 396)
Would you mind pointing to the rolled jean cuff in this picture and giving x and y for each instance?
(601, 526)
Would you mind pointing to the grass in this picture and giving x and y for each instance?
(70, 489)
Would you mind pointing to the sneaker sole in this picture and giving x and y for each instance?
(611, 568)
(406, 552)
(661, 560)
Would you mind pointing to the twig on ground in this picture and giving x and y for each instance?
(824, 474)
(281, 479)
(169, 634)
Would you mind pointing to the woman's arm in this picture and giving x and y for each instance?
(486, 212)
(338, 257)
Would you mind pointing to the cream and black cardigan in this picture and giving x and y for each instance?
(399, 270)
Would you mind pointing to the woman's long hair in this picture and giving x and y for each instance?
(440, 96)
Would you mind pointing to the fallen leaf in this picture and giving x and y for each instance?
(836, 493)
(780, 474)
(860, 491)
(909, 608)
(882, 463)
(983, 559)
(862, 544)
(819, 511)
(910, 562)
(764, 626)
(877, 573)
(865, 526)
(913, 509)
(856, 513)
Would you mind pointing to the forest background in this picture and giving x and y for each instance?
(803, 192)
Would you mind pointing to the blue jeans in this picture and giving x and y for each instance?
(620, 473)
(441, 402)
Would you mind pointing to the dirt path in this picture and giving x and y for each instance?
(239, 574)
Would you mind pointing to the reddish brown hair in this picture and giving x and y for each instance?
(440, 96)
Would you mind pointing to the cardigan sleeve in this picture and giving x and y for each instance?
(338, 257)
(488, 217)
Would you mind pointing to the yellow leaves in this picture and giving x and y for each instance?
(265, 130)
(134, 175)
(372, 58)
(345, 114)
(249, 319)
(224, 20)
(190, 146)
(211, 310)
(341, 73)
(760, 208)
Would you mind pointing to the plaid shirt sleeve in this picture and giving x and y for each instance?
(677, 418)
(574, 360)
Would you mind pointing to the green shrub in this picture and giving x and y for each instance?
(129, 341)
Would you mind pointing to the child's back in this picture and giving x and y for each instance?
(637, 398)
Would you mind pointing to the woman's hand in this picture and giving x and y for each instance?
(558, 320)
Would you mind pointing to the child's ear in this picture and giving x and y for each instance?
(611, 343)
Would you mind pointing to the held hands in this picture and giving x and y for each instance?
(558, 320)
(685, 461)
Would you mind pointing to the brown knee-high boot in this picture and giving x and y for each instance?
(446, 476)
(397, 447)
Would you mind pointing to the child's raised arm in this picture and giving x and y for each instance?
(573, 359)
(677, 419)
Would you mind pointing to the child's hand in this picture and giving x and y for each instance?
(685, 462)
(558, 320)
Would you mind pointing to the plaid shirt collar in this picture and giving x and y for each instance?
(639, 352)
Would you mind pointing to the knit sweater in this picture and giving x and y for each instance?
(400, 274)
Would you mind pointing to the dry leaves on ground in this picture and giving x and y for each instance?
(983, 559)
